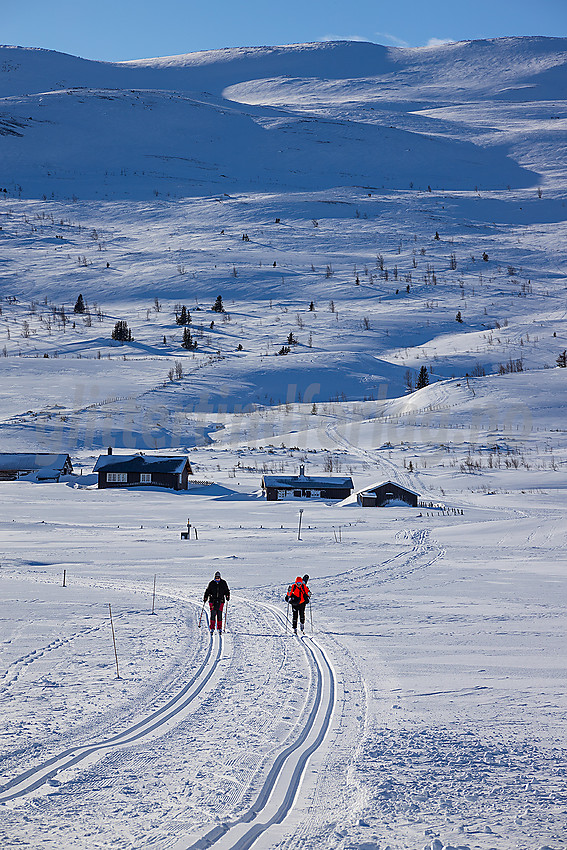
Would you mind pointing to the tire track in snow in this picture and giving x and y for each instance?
(156, 723)
(279, 791)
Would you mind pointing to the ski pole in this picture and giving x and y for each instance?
(286, 617)
(201, 617)
(311, 615)
(225, 615)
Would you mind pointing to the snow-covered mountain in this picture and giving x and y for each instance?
(374, 219)
(179, 124)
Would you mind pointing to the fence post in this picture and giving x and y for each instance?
(113, 640)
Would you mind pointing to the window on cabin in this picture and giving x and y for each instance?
(145, 478)
(297, 494)
(116, 477)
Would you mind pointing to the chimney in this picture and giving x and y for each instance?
(302, 471)
(110, 450)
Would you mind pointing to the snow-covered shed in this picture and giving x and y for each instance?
(306, 486)
(388, 493)
(41, 467)
(143, 470)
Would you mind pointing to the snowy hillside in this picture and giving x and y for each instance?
(386, 230)
(83, 116)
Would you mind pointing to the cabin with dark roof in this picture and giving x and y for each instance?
(388, 493)
(141, 470)
(303, 486)
(36, 467)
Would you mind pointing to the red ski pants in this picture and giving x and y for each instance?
(216, 616)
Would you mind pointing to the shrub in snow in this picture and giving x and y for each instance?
(122, 332)
(79, 305)
(188, 342)
(183, 317)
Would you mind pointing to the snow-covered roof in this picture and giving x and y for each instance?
(22, 462)
(374, 487)
(140, 463)
(285, 482)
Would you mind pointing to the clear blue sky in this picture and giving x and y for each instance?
(135, 29)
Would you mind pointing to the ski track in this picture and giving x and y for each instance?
(155, 723)
(238, 835)
(98, 760)
(267, 792)
(400, 566)
(373, 459)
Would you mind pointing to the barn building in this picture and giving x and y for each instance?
(141, 470)
(389, 493)
(277, 487)
(39, 467)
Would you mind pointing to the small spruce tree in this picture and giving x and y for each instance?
(122, 332)
(422, 378)
(218, 305)
(188, 342)
(80, 306)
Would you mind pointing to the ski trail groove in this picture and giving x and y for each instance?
(37, 776)
(279, 790)
(423, 554)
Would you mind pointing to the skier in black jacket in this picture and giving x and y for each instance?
(217, 591)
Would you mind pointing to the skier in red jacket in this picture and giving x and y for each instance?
(298, 596)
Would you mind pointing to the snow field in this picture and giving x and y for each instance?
(442, 640)
(277, 177)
